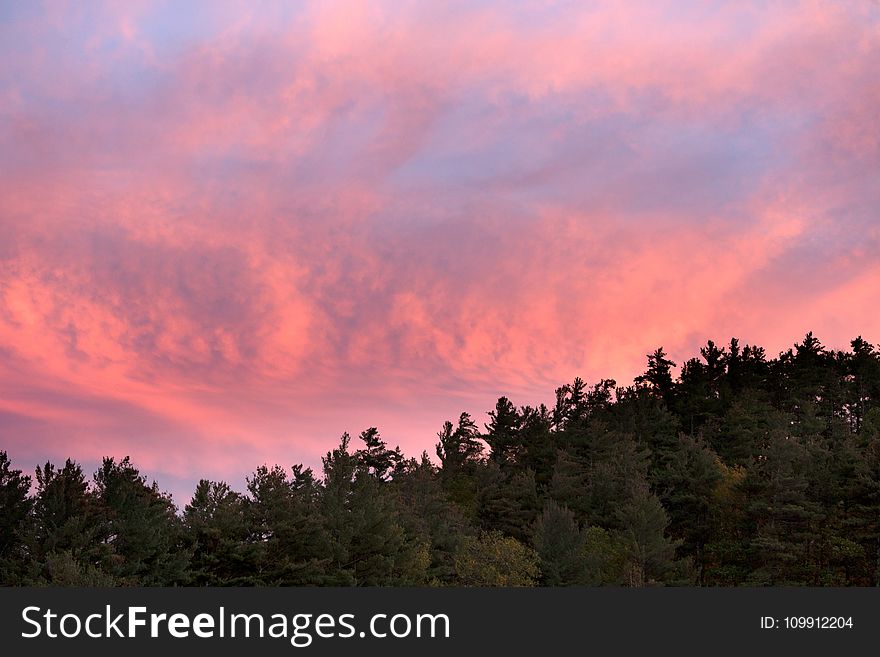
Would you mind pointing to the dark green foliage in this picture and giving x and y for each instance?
(604, 558)
(784, 518)
(503, 433)
(368, 543)
(288, 542)
(217, 524)
(15, 509)
(561, 547)
(430, 517)
(649, 554)
(460, 452)
(378, 460)
(685, 486)
(658, 377)
(538, 444)
(141, 527)
(508, 502)
(67, 541)
(459, 446)
(740, 470)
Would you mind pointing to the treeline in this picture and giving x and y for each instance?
(742, 470)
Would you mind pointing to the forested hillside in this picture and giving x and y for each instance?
(741, 470)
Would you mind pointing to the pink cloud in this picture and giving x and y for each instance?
(229, 247)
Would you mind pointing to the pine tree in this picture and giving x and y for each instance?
(15, 509)
(429, 517)
(649, 553)
(376, 457)
(142, 527)
(658, 376)
(459, 446)
(685, 487)
(286, 527)
(502, 433)
(785, 518)
(216, 522)
(508, 502)
(560, 547)
(368, 543)
(68, 540)
(460, 452)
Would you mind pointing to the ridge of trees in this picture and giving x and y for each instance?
(740, 470)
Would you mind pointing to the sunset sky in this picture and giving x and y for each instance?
(230, 232)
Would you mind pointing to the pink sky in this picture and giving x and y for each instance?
(230, 232)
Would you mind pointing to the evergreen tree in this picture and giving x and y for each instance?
(783, 515)
(509, 502)
(15, 509)
(685, 487)
(649, 553)
(216, 522)
(502, 433)
(142, 527)
(286, 527)
(459, 446)
(430, 518)
(376, 457)
(368, 543)
(658, 376)
(68, 539)
(460, 452)
(560, 547)
(742, 470)
(539, 446)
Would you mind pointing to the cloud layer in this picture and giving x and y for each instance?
(229, 232)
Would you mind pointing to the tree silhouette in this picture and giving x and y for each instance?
(741, 469)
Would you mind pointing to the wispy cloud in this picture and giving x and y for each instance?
(229, 233)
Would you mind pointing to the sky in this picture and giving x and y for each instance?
(232, 231)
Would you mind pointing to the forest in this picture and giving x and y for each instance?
(736, 469)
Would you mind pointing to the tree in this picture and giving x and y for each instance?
(560, 547)
(614, 465)
(68, 539)
(539, 445)
(745, 429)
(571, 404)
(15, 509)
(459, 446)
(786, 520)
(658, 376)
(502, 433)
(492, 559)
(726, 554)
(684, 487)
(604, 557)
(376, 457)
(649, 553)
(647, 419)
(142, 527)
(216, 521)
(703, 391)
(429, 517)
(509, 502)
(863, 382)
(367, 542)
(460, 452)
(286, 527)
